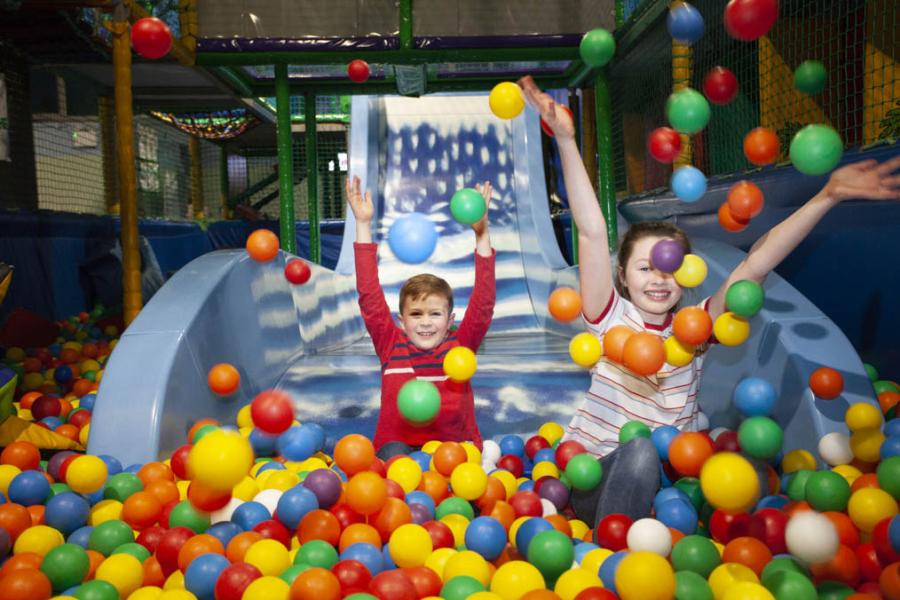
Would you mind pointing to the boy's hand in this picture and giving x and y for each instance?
(554, 116)
(865, 180)
(360, 204)
(480, 227)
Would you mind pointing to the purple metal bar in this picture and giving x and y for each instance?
(385, 43)
(446, 42)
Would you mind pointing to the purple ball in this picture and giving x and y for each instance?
(667, 255)
(420, 513)
(326, 485)
(5, 543)
(555, 491)
(56, 461)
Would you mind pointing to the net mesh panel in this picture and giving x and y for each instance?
(856, 40)
(17, 180)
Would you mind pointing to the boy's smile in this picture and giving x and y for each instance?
(426, 320)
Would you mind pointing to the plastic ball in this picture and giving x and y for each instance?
(28, 488)
(297, 271)
(272, 411)
(666, 255)
(580, 584)
(486, 536)
(123, 571)
(468, 481)
(460, 364)
(223, 379)
(729, 482)
(220, 460)
(888, 474)
(697, 554)
(515, 578)
(410, 545)
(729, 222)
(633, 429)
(358, 71)
(811, 537)
(644, 576)
(234, 580)
(760, 437)
(66, 512)
(564, 304)
(868, 506)
(816, 149)
(86, 474)
(151, 37)
(201, 575)
(677, 353)
(862, 415)
(585, 349)
(827, 383)
(262, 245)
(692, 325)
(827, 491)
(407, 473)
(685, 23)
(584, 472)
(597, 47)
(649, 535)
(551, 552)
(731, 329)
(65, 566)
(546, 128)
(692, 271)
(747, 20)
(678, 514)
(419, 402)
(267, 586)
(644, 353)
(664, 144)
(720, 86)
(298, 442)
(687, 111)
(755, 397)
(326, 485)
(761, 146)
(745, 200)
(467, 206)
(413, 237)
(506, 100)
(688, 183)
(810, 77)
(744, 298)
(689, 451)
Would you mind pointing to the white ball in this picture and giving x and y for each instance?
(490, 451)
(224, 513)
(702, 421)
(811, 537)
(717, 432)
(488, 466)
(269, 499)
(649, 535)
(549, 508)
(834, 448)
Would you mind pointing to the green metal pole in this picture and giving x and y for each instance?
(224, 192)
(406, 24)
(285, 159)
(620, 13)
(606, 182)
(312, 177)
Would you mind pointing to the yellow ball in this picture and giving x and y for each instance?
(175, 581)
(182, 485)
(84, 435)
(798, 459)
(594, 559)
(514, 529)
(430, 446)
(506, 100)
(123, 571)
(579, 528)
(868, 506)
(468, 481)
(89, 365)
(281, 480)
(269, 556)
(86, 474)
(267, 588)
(246, 490)
(39, 539)
(15, 354)
(692, 271)
(437, 560)
(457, 524)
(243, 417)
(177, 594)
(866, 444)
(585, 350)
(545, 468)
(863, 415)
(745, 590)
(483, 596)
(7, 474)
(645, 576)
(468, 563)
(410, 545)
(848, 472)
(406, 472)
(552, 432)
(105, 510)
(507, 479)
(149, 592)
(729, 482)
(220, 460)
(460, 364)
(731, 329)
(473, 454)
(677, 353)
(728, 574)
(516, 578)
(311, 464)
(574, 581)
(32, 381)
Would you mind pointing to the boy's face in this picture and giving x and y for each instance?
(426, 320)
(652, 291)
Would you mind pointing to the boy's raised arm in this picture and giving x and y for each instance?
(480, 310)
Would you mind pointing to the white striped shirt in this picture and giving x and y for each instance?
(617, 395)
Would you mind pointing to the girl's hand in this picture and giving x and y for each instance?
(360, 205)
(865, 180)
(554, 116)
(480, 227)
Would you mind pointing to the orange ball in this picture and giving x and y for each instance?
(316, 583)
(749, 552)
(320, 525)
(843, 567)
(692, 325)
(688, 451)
(887, 400)
(644, 353)
(366, 492)
(206, 499)
(82, 387)
(495, 491)
(141, 509)
(14, 518)
(165, 491)
(729, 222)
(614, 342)
(90, 350)
(889, 581)
(203, 543)
(23, 455)
(564, 304)
(826, 383)
(28, 399)
(448, 456)
(68, 356)
(394, 514)
(153, 573)
(23, 560)
(67, 430)
(223, 379)
(866, 480)
(745, 200)
(848, 534)
(436, 486)
(239, 545)
(503, 512)
(761, 146)
(560, 523)
(155, 471)
(359, 532)
(354, 453)
(262, 245)
(36, 511)
(25, 584)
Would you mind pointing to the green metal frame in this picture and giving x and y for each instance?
(312, 178)
(285, 160)
(606, 177)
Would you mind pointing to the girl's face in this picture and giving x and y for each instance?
(653, 292)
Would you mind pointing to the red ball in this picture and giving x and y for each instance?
(869, 565)
(724, 526)
(234, 579)
(612, 531)
(595, 593)
(297, 271)
(720, 86)
(346, 516)
(426, 581)
(441, 534)
(511, 463)
(168, 547)
(768, 525)
(353, 576)
(149, 538)
(747, 20)
(179, 461)
(393, 585)
(272, 411)
(358, 71)
(46, 406)
(882, 543)
(151, 37)
(534, 444)
(664, 144)
(566, 450)
(727, 442)
(526, 504)
(745, 200)
(546, 128)
(272, 529)
(825, 383)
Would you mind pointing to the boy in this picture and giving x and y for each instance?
(416, 349)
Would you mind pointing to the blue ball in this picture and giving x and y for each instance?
(51, 422)
(81, 536)
(685, 24)
(423, 458)
(667, 494)
(894, 533)
(250, 514)
(87, 401)
(224, 531)
(776, 502)
(113, 465)
(528, 530)
(486, 536)
(29, 487)
(890, 447)
(582, 548)
(294, 504)
(389, 564)
(512, 444)
(367, 554)
(263, 443)
(298, 443)
(133, 468)
(545, 455)
(67, 512)
(62, 374)
(201, 575)
(892, 427)
(412, 238)
(755, 397)
(418, 497)
(271, 466)
(94, 497)
(607, 571)
(689, 184)
(662, 438)
(526, 486)
(678, 514)
(664, 480)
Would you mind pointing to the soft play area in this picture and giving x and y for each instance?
(188, 391)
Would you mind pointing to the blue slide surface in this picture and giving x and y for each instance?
(310, 341)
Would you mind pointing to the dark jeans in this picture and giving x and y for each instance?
(629, 484)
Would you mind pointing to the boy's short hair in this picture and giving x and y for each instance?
(424, 285)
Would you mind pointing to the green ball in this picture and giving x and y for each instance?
(121, 485)
(96, 590)
(185, 515)
(290, 574)
(827, 491)
(781, 563)
(888, 474)
(58, 488)
(697, 554)
(461, 587)
(810, 77)
(317, 553)
(788, 585)
(597, 47)
(204, 431)
(454, 505)
(109, 535)
(467, 206)
(690, 586)
(760, 437)
(796, 487)
(816, 149)
(872, 372)
(552, 553)
(360, 596)
(884, 385)
(833, 590)
(691, 487)
(419, 402)
(744, 298)
(584, 472)
(134, 549)
(65, 565)
(687, 111)
(633, 429)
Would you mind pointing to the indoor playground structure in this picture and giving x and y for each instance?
(172, 174)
